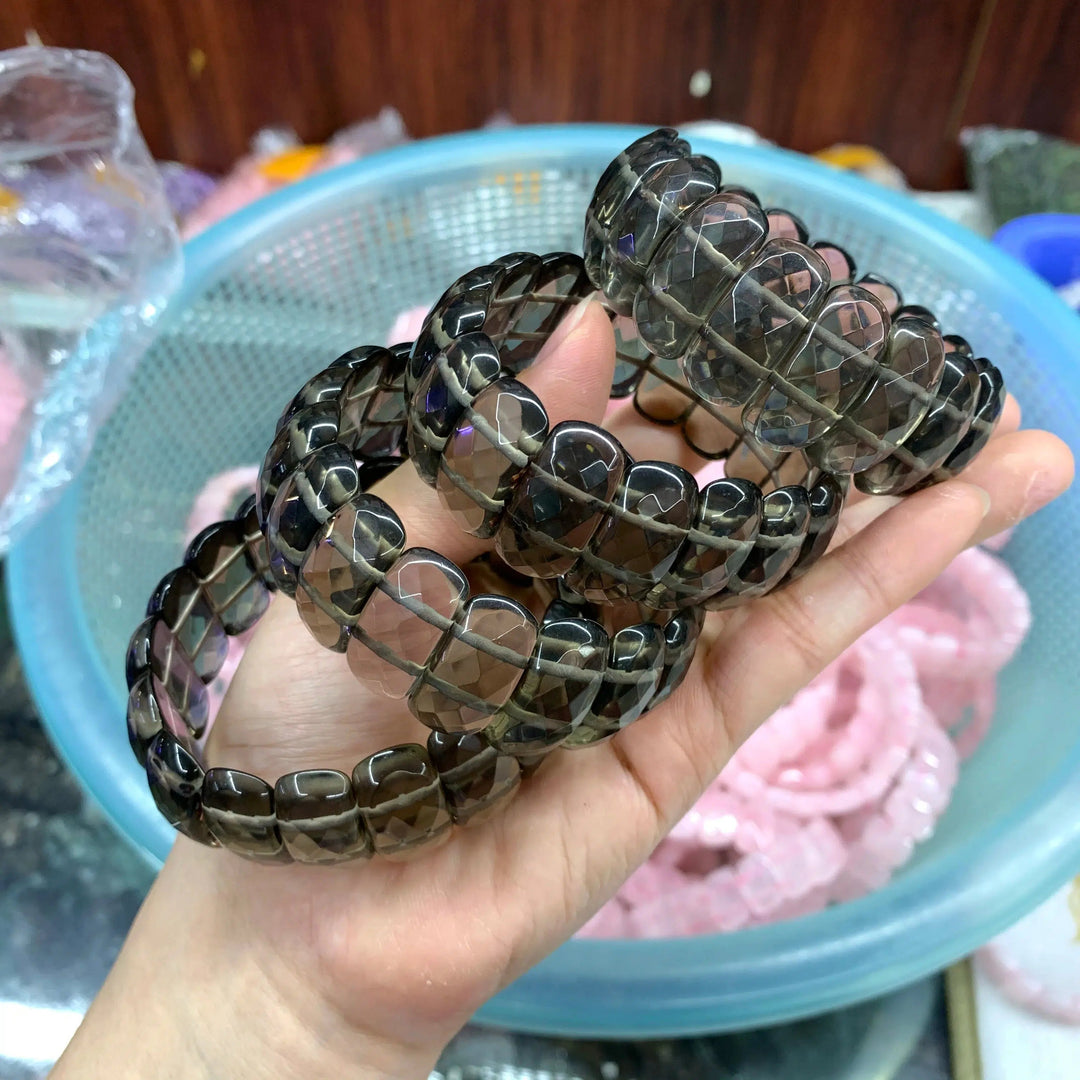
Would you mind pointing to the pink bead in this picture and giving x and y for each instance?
(759, 884)
(649, 882)
(726, 908)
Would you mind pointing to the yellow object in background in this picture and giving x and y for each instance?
(9, 201)
(864, 160)
(291, 165)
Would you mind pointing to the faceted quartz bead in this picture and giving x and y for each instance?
(955, 343)
(784, 225)
(988, 406)
(401, 800)
(239, 812)
(693, 267)
(323, 483)
(403, 621)
(258, 554)
(175, 778)
(892, 406)
(462, 309)
(347, 558)
(373, 406)
(833, 363)
(785, 523)
(635, 165)
(826, 503)
(178, 689)
(884, 290)
(318, 819)
(841, 265)
(467, 680)
(645, 219)
(559, 283)
(183, 608)
(560, 499)
(937, 435)
(917, 311)
(145, 718)
(496, 438)
(556, 692)
(450, 384)
(719, 542)
(631, 355)
(303, 433)
(681, 633)
(218, 557)
(510, 292)
(756, 323)
(326, 386)
(663, 394)
(635, 666)
(477, 780)
(637, 542)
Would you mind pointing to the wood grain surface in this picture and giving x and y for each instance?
(903, 75)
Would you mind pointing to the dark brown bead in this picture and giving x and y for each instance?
(218, 557)
(785, 522)
(179, 601)
(826, 503)
(304, 432)
(557, 691)
(374, 407)
(637, 542)
(719, 541)
(401, 800)
(938, 433)
(634, 668)
(144, 717)
(318, 819)
(239, 812)
(176, 777)
(450, 385)
(560, 500)
(258, 553)
(477, 665)
(494, 441)
(681, 634)
(177, 686)
(988, 408)
(477, 780)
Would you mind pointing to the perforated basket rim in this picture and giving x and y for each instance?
(670, 986)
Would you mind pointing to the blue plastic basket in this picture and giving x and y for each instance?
(274, 291)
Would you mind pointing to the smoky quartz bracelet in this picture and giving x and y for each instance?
(819, 370)
(397, 801)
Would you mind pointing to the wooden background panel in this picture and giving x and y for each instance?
(899, 75)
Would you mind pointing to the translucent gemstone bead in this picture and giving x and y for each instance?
(826, 503)
(477, 780)
(560, 499)
(558, 689)
(403, 621)
(757, 322)
(637, 542)
(478, 664)
(305, 431)
(373, 406)
(719, 541)
(175, 777)
(318, 819)
(681, 633)
(893, 404)
(499, 434)
(988, 407)
(785, 522)
(239, 812)
(833, 363)
(182, 607)
(218, 557)
(401, 800)
(938, 433)
(634, 668)
(693, 267)
(449, 386)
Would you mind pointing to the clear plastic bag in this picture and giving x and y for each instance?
(89, 256)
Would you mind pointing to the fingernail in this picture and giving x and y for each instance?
(564, 331)
(984, 495)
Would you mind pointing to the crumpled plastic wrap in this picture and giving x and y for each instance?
(89, 256)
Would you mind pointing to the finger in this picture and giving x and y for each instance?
(1022, 471)
(571, 376)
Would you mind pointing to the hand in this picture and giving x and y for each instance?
(382, 962)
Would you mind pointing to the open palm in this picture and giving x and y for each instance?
(409, 950)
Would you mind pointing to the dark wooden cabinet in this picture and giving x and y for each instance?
(903, 75)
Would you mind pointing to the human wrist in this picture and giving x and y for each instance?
(199, 992)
